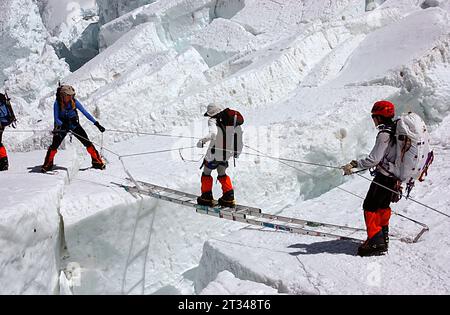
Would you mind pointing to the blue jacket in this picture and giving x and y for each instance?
(4, 114)
(68, 114)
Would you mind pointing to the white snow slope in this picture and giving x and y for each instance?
(303, 73)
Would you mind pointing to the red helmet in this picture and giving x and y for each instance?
(384, 109)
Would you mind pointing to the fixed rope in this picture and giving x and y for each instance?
(424, 226)
(407, 198)
(356, 173)
(153, 134)
(245, 153)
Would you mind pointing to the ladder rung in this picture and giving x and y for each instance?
(245, 214)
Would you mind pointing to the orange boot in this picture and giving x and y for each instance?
(48, 162)
(206, 199)
(97, 161)
(227, 199)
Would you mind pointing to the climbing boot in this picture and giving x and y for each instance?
(227, 200)
(98, 165)
(206, 199)
(48, 162)
(374, 246)
(97, 161)
(4, 164)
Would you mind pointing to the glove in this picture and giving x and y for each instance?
(200, 144)
(100, 127)
(348, 167)
(399, 189)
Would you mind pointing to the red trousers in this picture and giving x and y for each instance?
(375, 220)
(3, 152)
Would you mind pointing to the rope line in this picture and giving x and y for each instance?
(409, 198)
(260, 154)
(156, 152)
(153, 134)
(356, 173)
(105, 148)
(349, 192)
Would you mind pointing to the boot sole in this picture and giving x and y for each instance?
(373, 254)
(227, 205)
(380, 252)
(207, 203)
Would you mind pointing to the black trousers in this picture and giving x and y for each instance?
(78, 132)
(1, 135)
(379, 197)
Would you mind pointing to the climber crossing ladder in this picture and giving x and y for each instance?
(250, 215)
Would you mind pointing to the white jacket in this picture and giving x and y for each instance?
(211, 138)
(383, 152)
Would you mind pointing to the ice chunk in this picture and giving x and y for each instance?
(178, 19)
(222, 39)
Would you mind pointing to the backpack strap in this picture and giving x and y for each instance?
(390, 129)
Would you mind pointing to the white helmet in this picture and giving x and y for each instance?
(213, 109)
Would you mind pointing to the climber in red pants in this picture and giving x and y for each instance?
(377, 211)
(65, 111)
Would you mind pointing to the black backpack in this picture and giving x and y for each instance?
(7, 116)
(230, 117)
(225, 120)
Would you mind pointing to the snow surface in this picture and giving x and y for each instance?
(226, 284)
(303, 73)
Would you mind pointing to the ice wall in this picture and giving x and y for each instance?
(110, 10)
(31, 240)
(20, 34)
